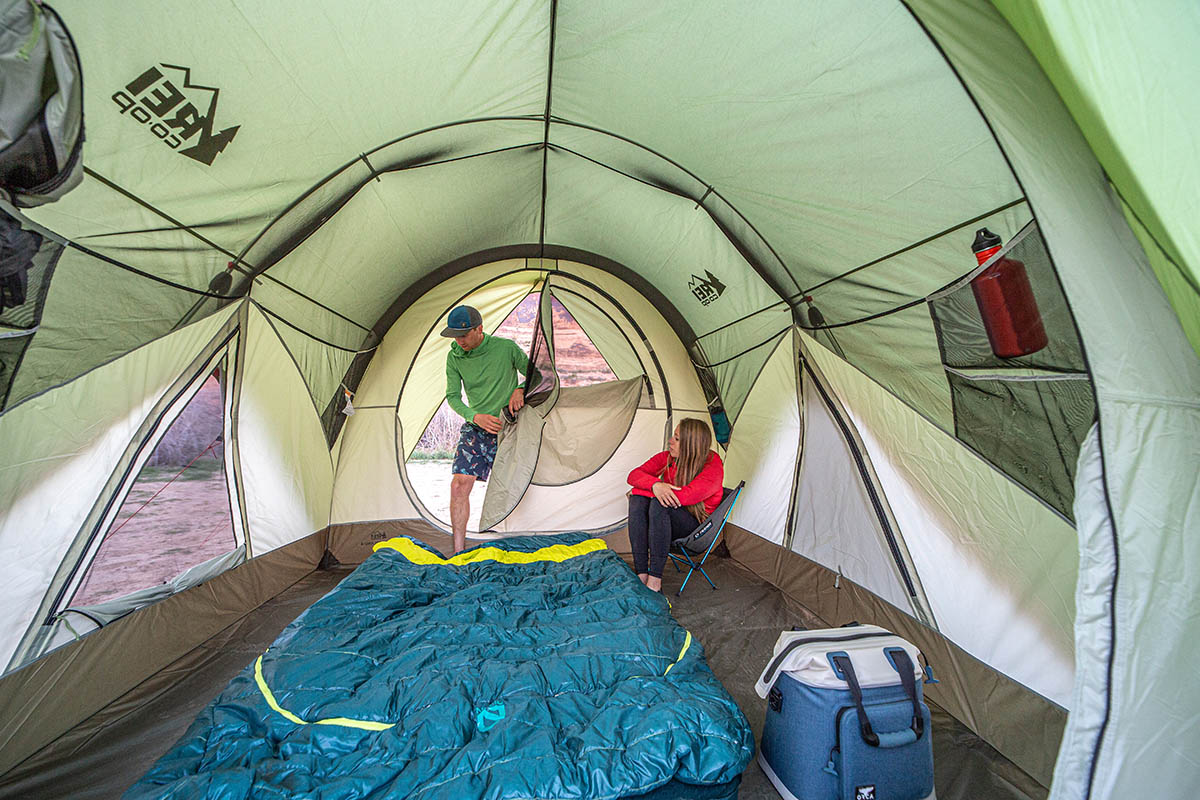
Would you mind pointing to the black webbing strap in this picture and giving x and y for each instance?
(902, 664)
(864, 724)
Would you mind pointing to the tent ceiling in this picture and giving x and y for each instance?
(671, 150)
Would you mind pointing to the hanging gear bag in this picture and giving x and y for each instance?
(41, 105)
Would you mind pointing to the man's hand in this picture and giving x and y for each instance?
(665, 493)
(488, 422)
(517, 401)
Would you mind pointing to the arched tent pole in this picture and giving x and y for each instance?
(333, 420)
(437, 156)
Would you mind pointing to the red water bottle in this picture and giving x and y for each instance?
(1006, 303)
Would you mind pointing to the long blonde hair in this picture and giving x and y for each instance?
(694, 442)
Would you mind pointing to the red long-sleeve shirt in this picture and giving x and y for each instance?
(704, 487)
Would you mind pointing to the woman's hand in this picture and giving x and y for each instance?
(665, 494)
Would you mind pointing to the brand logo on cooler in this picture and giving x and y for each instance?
(164, 99)
(864, 792)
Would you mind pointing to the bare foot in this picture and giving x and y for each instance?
(654, 584)
(642, 577)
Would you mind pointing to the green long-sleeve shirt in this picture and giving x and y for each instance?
(489, 374)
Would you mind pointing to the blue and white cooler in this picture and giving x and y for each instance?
(846, 717)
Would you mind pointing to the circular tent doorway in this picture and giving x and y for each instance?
(408, 370)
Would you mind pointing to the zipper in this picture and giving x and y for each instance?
(792, 645)
(833, 767)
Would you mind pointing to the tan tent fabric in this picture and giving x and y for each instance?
(586, 426)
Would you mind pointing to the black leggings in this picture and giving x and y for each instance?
(652, 528)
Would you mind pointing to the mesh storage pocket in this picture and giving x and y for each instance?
(1031, 429)
(1026, 414)
(19, 320)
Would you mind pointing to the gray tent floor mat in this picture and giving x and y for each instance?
(105, 755)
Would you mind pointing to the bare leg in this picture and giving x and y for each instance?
(460, 508)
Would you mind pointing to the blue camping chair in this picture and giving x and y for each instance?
(703, 539)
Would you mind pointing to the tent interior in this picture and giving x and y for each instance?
(764, 216)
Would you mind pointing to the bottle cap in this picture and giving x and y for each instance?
(984, 240)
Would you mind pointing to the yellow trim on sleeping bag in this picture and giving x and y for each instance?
(687, 642)
(366, 725)
(555, 552)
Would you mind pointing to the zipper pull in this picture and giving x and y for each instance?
(830, 767)
(929, 671)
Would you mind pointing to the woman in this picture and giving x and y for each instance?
(672, 493)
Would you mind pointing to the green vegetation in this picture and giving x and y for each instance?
(202, 470)
(431, 455)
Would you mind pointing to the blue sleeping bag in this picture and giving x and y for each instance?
(536, 667)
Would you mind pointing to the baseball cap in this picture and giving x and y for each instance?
(461, 320)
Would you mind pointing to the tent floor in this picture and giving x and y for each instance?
(123, 741)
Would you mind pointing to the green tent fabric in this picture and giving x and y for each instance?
(767, 212)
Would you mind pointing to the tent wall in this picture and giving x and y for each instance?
(1149, 397)
(286, 478)
(1098, 55)
(287, 474)
(61, 450)
(765, 447)
(836, 521)
(997, 565)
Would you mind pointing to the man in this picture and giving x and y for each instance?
(487, 368)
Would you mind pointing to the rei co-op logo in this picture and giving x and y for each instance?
(706, 289)
(177, 111)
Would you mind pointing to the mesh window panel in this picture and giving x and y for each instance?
(1026, 414)
(576, 358)
(177, 512)
(18, 321)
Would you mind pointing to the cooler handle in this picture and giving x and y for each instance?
(841, 662)
(897, 738)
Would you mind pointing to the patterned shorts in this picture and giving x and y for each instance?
(476, 452)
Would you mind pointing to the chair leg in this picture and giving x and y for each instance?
(685, 582)
(692, 568)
